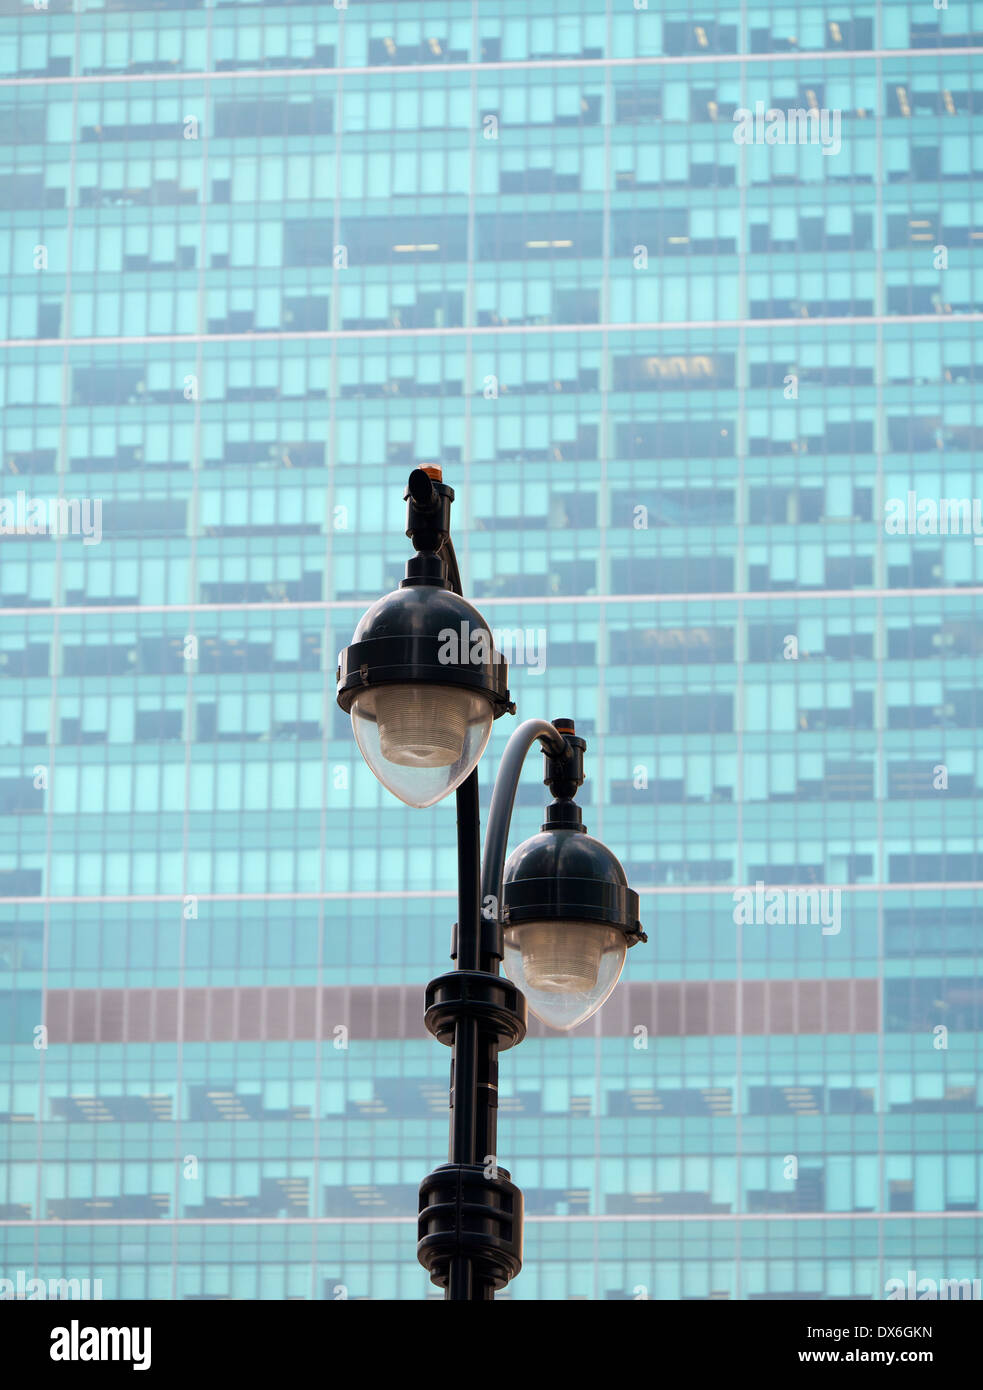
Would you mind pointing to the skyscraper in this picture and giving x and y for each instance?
(684, 305)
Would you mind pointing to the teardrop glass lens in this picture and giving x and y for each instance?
(421, 741)
(565, 969)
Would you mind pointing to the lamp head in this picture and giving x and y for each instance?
(568, 913)
(421, 678)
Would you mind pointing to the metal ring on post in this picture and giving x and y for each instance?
(493, 1001)
(471, 1214)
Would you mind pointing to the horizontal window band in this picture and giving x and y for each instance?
(295, 1013)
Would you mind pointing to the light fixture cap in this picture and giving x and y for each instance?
(423, 633)
(564, 874)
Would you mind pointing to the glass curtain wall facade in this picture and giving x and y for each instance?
(698, 389)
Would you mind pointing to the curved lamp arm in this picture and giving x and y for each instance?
(453, 573)
(499, 820)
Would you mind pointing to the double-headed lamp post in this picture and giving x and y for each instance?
(423, 684)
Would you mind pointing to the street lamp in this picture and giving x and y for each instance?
(423, 684)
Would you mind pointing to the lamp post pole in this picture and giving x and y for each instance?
(471, 1214)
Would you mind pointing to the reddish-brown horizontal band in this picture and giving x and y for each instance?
(677, 1008)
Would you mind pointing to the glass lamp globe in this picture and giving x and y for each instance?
(421, 740)
(566, 969)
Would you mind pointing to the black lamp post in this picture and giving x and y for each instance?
(423, 684)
